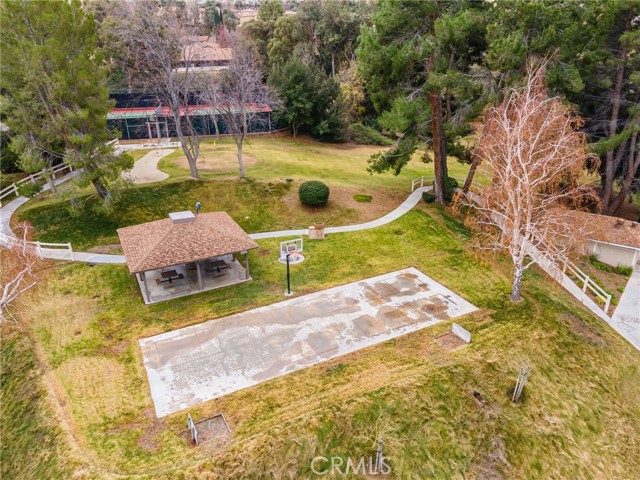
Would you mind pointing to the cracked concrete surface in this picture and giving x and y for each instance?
(195, 364)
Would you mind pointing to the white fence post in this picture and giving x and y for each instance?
(70, 250)
(38, 249)
(586, 283)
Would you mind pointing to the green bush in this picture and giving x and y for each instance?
(450, 186)
(313, 194)
(624, 270)
(593, 260)
(29, 189)
(359, 133)
(363, 198)
(428, 197)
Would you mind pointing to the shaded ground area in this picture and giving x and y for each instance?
(189, 366)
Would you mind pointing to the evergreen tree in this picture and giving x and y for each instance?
(54, 94)
(413, 56)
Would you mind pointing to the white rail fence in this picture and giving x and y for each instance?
(428, 180)
(65, 249)
(560, 261)
(50, 173)
(587, 283)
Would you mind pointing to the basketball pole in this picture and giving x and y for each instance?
(288, 292)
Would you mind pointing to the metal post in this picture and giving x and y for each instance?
(288, 292)
(378, 467)
(246, 263)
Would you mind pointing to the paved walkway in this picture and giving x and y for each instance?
(145, 170)
(9, 209)
(195, 364)
(626, 319)
(407, 205)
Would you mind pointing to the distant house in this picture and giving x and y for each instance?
(203, 52)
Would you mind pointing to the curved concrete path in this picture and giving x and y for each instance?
(407, 205)
(60, 254)
(145, 170)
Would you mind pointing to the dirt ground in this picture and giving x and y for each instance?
(382, 202)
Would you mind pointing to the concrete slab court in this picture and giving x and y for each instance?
(194, 364)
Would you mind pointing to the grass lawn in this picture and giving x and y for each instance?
(274, 158)
(32, 445)
(442, 414)
(263, 202)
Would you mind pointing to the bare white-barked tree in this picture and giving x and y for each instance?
(533, 152)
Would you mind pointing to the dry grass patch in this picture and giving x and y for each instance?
(219, 159)
(98, 387)
(63, 322)
(341, 202)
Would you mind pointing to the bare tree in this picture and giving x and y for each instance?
(243, 93)
(167, 57)
(18, 263)
(534, 154)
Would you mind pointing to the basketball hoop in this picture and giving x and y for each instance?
(292, 249)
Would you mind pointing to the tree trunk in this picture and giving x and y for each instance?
(633, 164)
(52, 184)
(102, 191)
(439, 147)
(609, 171)
(240, 163)
(215, 123)
(516, 285)
(185, 148)
(471, 174)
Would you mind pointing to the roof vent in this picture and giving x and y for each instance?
(182, 217)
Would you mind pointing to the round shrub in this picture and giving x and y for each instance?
(313, 194)
(428, 197)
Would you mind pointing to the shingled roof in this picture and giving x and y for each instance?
(163, 243)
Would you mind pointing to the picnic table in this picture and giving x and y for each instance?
(215, 266)
(170, 276)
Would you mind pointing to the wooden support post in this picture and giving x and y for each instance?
(146, 287)
(199, 276)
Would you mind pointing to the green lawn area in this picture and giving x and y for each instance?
(256, 206)
(273, 158)
(263, 202)
(442, 414)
